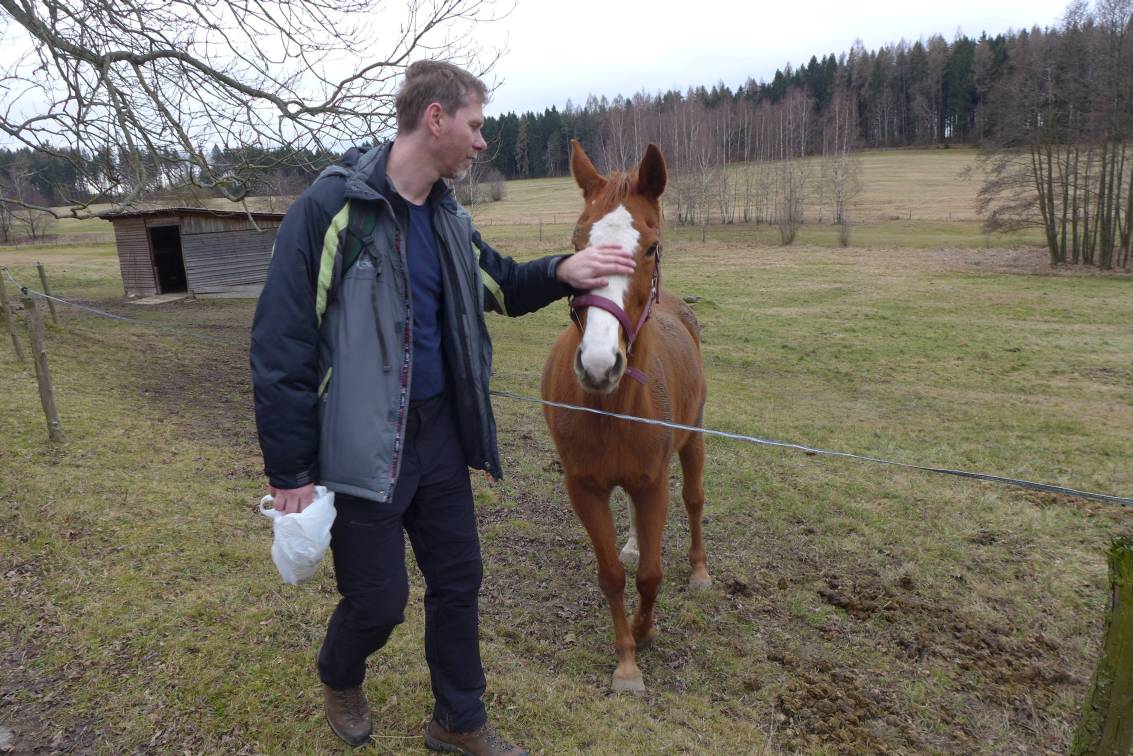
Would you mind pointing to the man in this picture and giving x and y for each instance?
(370, 361)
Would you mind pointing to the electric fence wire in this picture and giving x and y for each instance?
(809, 450)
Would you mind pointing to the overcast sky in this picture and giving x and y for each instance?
(558, 51)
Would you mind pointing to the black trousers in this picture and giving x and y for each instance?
(432, 502)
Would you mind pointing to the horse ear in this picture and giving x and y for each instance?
(652, 174)
(584, 172)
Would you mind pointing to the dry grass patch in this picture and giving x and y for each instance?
(898, 185)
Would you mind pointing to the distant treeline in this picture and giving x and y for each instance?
(64, 178)
(918, 94)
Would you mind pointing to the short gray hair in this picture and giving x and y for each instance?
(429, 81)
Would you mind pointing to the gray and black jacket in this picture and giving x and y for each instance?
(331, 350)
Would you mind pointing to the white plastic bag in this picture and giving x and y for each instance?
(301, 538)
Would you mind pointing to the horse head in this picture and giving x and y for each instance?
(622, 209)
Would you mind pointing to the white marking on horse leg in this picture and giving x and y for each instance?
(629, 684)
(700, 582)
(599, 348)
(630, 553)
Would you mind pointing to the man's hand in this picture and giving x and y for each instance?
(585, 268)
(291, 500)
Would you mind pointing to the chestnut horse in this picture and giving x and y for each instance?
(635, 351)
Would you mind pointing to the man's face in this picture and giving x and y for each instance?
(459, 140)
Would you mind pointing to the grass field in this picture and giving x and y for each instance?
(909, 198)
(897, 185)
(856, 608)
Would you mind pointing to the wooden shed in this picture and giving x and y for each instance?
(194, 250)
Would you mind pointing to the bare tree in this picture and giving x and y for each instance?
(1060, 159)
(482, 184)
(722, 177)
(5, 217)
(841, 169)
(150, 81)
(792, 171)
(23, 202)
(617, 138)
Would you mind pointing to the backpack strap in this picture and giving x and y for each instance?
(362, 219)
(342, 250)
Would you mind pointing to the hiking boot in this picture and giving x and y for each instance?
(483, 742)
(349, 714)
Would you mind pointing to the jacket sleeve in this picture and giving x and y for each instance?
(285, 350)
(514, 288)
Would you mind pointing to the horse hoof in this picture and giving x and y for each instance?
(629, 558)
(629, 685)
(642, 642)
(699, 583)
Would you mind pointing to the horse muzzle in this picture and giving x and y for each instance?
(599, 373)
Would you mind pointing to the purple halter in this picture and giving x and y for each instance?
(583, 301)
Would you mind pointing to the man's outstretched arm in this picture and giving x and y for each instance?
(514, 288)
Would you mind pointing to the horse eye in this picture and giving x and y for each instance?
(652, 250)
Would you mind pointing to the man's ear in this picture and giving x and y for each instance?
(434, 118)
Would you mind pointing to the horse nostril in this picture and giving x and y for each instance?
(619, 365)
(578, 361)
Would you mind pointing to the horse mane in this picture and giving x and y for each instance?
(619, 185)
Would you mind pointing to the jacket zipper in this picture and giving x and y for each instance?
(407, 341)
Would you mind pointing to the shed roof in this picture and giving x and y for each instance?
(112, 215)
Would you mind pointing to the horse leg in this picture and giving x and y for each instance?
(650, 505)
(692, 466)
(593, 509)
(630, 552)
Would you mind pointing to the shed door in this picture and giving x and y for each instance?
(168, 262)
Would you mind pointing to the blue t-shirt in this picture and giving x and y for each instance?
(425, 282)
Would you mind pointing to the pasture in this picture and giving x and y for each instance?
(856, 608)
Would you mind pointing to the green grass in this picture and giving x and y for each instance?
(855, 607)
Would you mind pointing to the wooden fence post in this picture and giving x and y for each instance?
(47, 291)
(42, 374)
(10, 319)
(1106, 726)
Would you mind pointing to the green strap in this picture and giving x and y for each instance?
(359, 219)
(326, 264)
(491, 284)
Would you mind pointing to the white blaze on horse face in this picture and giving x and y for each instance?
(600, 339)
